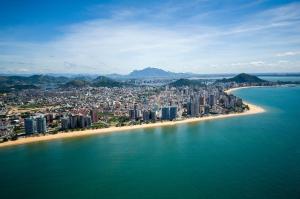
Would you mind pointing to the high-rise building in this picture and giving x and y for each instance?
(189, 106)
(212, 100)
(73, 121)
(94, 115)
(152, 115)
(146, 115)
(196, 107)
(49, 118)
(65, 123)
(30, 125)
(81, 121)
(132, 114)
(165, 113)
(41, 125)
(87, 121)
(193, 106)
(173, 112)
(76, 121)
(202, 101)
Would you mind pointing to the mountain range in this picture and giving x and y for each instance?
(10, 83)
(150, 72)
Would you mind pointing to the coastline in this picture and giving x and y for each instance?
(229, 91)
(89, 132)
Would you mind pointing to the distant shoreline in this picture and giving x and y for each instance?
(89, 132)
(238, 88)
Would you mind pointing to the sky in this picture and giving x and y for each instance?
(118, 36)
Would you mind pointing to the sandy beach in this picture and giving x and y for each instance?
(238, 88)
(62, 135)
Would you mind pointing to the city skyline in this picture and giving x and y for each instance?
(118, 37)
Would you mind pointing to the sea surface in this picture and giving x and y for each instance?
(280, 78)
(255, 156)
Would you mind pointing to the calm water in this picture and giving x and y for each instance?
(254, 156)
(280, 78)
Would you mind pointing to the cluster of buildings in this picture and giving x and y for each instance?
(75, 122)
(212, 103)
(169, 113)
(35, 125)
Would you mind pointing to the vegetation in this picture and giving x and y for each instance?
(243, 78)
(8, 88)
(30, 106)
(103, 81)
(100, 125)
(77, 83)
(186, 82)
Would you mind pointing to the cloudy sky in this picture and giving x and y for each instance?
(118, 36)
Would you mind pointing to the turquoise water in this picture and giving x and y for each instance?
(255, 156)
(280, 78)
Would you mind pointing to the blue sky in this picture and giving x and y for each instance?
(101, 37)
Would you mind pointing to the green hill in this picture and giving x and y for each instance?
(243, 78)
(186, 82)
(103, 81)
(77, 83)
(9, 88)
(32, 80)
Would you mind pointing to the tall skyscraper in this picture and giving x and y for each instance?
(87, 121)
(65, 123)
(193, 106)
(81, 121)
(30, 125)
(152, 115)
(41, 125)
(165, 113)
(212, 100)
(94, 115)
(202, 101)
(132, 115)
(190, 106)
(146, 115)
(173, 112)
(73, 121)
(196, 106)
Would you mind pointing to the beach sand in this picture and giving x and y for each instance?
(62, 135)
(238, 88)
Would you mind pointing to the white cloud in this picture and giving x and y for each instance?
(288, 53)
(257, 63)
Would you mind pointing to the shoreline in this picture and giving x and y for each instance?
(229, 91)
(89, 132)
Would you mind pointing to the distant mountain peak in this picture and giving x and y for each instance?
(150, 72)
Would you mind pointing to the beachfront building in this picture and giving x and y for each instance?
(212, 100)
(132, 114)
(165, 113)
(193, 106)
(30, 125)
(146, 115)
(94, 115)
(41, 125)
(65, 123)
(152, 115)
(76, 121)
(173, 112)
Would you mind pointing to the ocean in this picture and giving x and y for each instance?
(254, 156)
